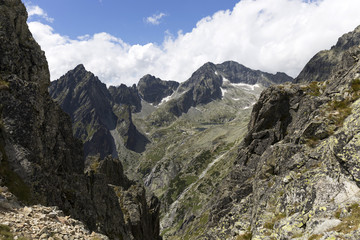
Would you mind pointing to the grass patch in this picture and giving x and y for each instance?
(94, 165)
(339, 111)
(245, 236)
(200, 162)
(312, 141)
(4, 85)
(351, 222)
(177, 186)
(270, 225)
(315, 236)
(197, 228)
(5, 232)
(12, 180)
(313, 89)
(355, 85)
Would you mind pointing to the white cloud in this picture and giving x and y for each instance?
(155, 19)
(270, 35)
(34, 10)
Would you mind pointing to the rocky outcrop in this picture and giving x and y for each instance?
(126, 95)
(295, 174)
(41, 161)
(334, 62)
(20, 53)
(153, 89)
(38, 222)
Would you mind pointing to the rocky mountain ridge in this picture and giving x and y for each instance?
(101, 116)
(295, 175)
(40, 160)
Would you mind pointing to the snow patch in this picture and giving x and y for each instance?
(246, 86)
(223, 91)
(225, 80)
(165, 99)
(247, 107)
(216, 73)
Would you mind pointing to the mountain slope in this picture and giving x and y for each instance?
(153, 89)
(295, 175)
(88, 102)
(40, 160)
(204, 86)
(99, 114)
(332, 63)
(191, 151)
(126, 95)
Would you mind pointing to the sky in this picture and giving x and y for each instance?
(122, 40)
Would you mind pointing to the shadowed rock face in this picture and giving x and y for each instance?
(96, 111)
(41, 161)
(126, 95)
(332, 63)
(88, 102)
(153, 89)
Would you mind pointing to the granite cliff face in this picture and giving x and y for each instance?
(41, 161)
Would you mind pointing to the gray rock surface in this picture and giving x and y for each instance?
(41, 161)
(153, 89)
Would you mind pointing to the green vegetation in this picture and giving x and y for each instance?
(177, 186)
(350, 222)
(197, 228)
(339, 111)
(335, 111)
(245, 236)
(5, 232)
(94, 165)
(312, 141)
(270, 225)
(313, 89)
(355, 85)
(4, 85)
(12, 180)
(315, 237)
(200, 162)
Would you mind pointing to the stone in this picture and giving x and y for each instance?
(42, 161)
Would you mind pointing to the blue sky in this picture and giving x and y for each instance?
(127, 19)
(121, 40)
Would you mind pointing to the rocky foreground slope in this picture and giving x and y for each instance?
(40, 160)
(296, 175)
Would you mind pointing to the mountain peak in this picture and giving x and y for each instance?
(80, 67)
(331, 63)
(153, 89)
